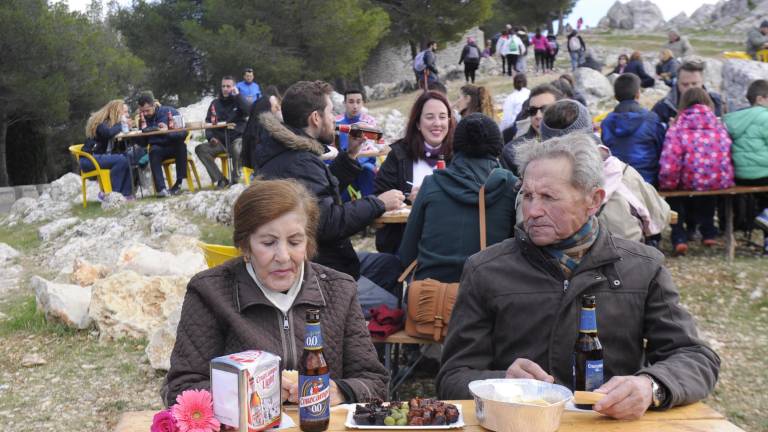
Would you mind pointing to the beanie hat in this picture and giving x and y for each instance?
(764, 24)
(582, 124)
(477, 136)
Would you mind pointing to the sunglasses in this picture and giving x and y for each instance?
(532, 110)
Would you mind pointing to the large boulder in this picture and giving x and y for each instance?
(85, 273)
(53, 229)
(113, 201)
(65, 188)
(635, 15)
(393, 125)
(148, 261)
(679, 21)
(216, 205)
(63, 303)
(161, 342)
(701, 16)
(593, 85)
(127, 304)
(619, 17)
(737, 75)
(7, 253)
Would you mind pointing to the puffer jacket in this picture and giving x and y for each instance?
(697, 153)
(514, 302)
(225, 312)
(289, 153)
(635, 135)
(444, 226)
(749, 131)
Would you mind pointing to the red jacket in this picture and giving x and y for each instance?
(697, 153)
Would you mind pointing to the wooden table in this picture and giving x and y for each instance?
(697, 417)
(135, 134)
(393, 217)
(727, 194)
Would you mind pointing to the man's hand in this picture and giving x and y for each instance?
(524, 368)
(162, 126)
(336, 396)
(354, 145)
(393, 199)
(626, 397)
(414, 193)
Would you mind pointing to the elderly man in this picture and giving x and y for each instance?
(757, 39)
(679, 45)
(517, 314)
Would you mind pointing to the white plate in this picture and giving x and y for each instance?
(350, 422)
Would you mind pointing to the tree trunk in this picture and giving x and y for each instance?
(3, 135)
(560, 29)
(550, 26)
(414, 48)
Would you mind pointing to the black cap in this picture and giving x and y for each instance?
(764, 24)
(477, 135)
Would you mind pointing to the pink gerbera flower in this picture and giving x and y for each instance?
(193, 412)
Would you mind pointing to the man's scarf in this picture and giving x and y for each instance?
(570, 251)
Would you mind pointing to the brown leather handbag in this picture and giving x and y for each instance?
(430, 302)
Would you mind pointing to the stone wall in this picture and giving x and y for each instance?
(392, 64)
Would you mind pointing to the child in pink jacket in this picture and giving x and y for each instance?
(696, 156)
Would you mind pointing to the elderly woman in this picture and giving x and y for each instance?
(259, 301)
(443, 228)
(517, 312)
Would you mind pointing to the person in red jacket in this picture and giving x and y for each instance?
(696, 156)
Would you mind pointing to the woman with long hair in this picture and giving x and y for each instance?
(428, 138)
(475, 99)
(636, 67)
(100, 131)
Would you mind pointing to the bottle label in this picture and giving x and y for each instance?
(588, 321)
(314, 397)
(593, 378)
(313, 337)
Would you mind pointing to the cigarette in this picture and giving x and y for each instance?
(410, 183)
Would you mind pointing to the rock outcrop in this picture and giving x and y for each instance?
(737, 75)
(593, 85)
(161, 342)
(64, 303)
(635, 15)
(148, 261)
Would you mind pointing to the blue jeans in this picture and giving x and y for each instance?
(575, 60)
(378, 281)
(693, 212)
(158, 153)
(119, 173)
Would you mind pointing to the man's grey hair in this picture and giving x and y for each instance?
(579, 149)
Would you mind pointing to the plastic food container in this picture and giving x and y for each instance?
(507, 405)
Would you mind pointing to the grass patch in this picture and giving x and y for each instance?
(21, 236)
(211, 232)
(23, 316)
(94, 211)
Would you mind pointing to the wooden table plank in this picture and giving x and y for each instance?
(736, 190)
(121, 135)
(696, 417)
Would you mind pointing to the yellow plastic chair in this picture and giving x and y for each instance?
(737, 55)
(224, 159)
(191, 169)
(101, 174)
(762, 56)
(217, 254)
(247, 173)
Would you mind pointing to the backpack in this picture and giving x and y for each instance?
(514, 48)
(473, 53)
(552, 44)
(418, 62)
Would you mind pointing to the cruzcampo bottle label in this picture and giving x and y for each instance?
(313, 337)
(593, 378)
(314, 397)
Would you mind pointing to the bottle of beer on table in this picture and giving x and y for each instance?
(314, 383)
(440, 162)
(588, 352)
(171, 124)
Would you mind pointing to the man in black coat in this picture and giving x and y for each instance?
(292, 150)
(229, 107)
(690, 75)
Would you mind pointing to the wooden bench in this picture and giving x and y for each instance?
(392, 353)
(727, 194)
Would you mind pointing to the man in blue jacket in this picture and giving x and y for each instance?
(170, 145)
(248, 88)
(690, 75)
(353, 113)
(634, 134)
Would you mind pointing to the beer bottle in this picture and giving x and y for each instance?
(360, 129)
(314, 383)
(170, 121)
(588, 352)
(440, 162)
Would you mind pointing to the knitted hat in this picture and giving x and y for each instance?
(582, 124)
(764, 24)
(477, 135)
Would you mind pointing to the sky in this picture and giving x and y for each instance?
(590, 10)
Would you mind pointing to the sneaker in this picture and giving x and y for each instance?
(762, 220)
(221, 184)
(709, 243)
(100, 196)
(176, 190)
(163, 194)
(681, 249)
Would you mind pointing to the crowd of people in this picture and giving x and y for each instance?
(567, 211)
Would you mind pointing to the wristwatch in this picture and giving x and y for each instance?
(659, 393)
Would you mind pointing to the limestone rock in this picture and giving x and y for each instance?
(679, 21)
(393, 125)
(197, 111)
(635, 15)
(127, 304)
(702, 15)
(7, 253)
(215, 205)
(737, 75)
(148, 261)
(113, 201)
(22, 206)
(593, 85)
(65, 188)
(65, 303)
(32, 360)
(162, 341)
(619, 17)
(338, 102)
(85, 273)
(53, 229)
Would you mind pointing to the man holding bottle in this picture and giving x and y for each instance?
(354, 113)
(520, 308)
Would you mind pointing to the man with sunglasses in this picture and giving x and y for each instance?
(542, 96)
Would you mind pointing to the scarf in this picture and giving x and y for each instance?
(431, 154)
(570, 251)
(281, 300)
